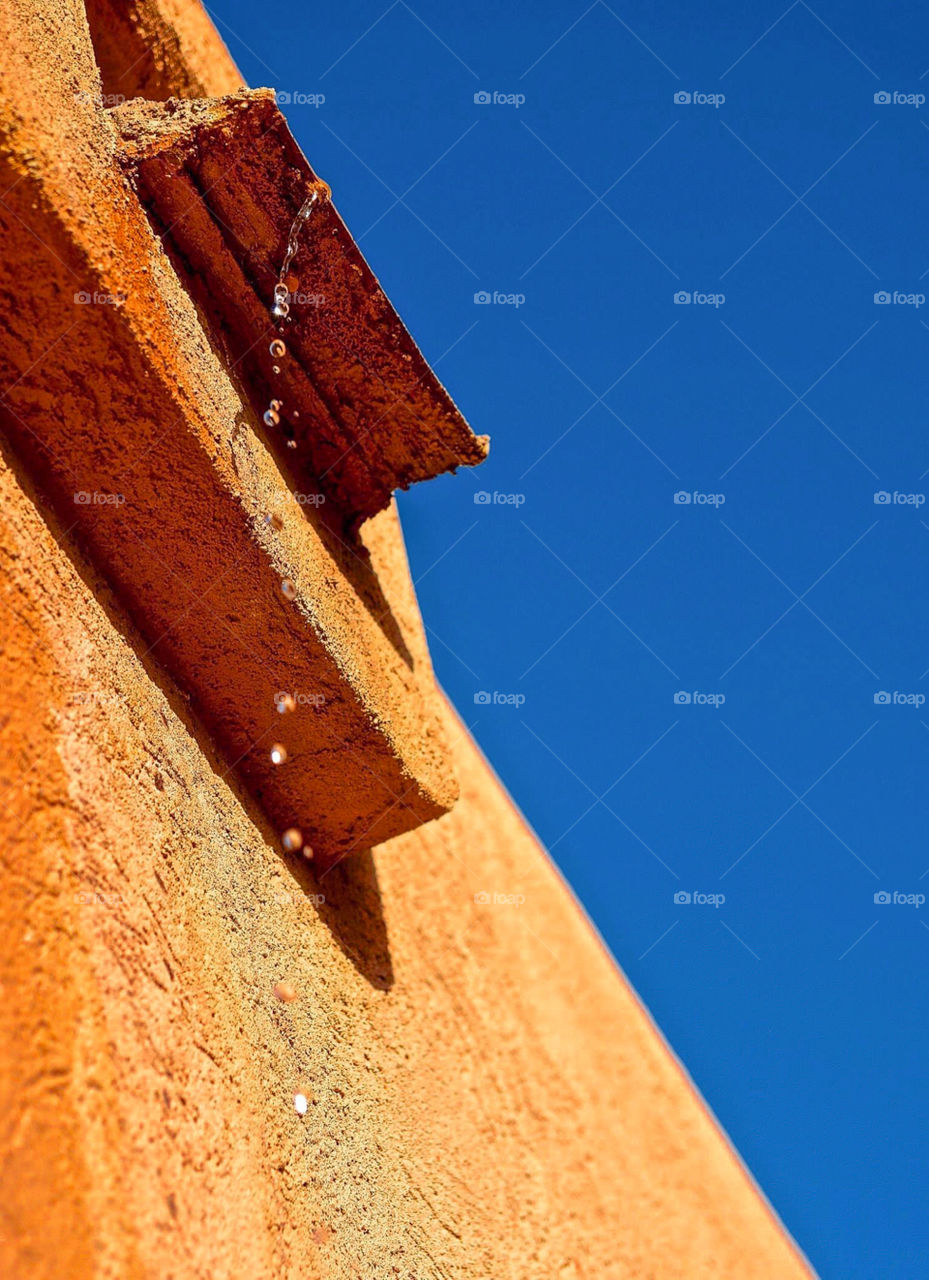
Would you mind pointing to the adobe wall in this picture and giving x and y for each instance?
(485, 1096)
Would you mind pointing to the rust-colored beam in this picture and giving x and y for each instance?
(224, 180)
(152, 453)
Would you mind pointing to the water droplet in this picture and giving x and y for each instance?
(271, 418)
(285, 992)
(288, 588)
(274, 521)
(277, 405)
(292, 839)
(277, 349)
(291, 444)
(285, 702)
(278, 754)
(295, 414)
(280, 310)
(308, 852)
(300, 1104)
(275, 368)
(280, 291)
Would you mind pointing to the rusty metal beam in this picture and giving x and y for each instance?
(150, 452)
(224, 180)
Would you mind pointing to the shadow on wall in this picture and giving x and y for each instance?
(352, 910)
(327, 520)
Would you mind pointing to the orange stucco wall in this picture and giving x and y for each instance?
(485, 1096)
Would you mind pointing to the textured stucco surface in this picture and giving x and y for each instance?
(486, 1097)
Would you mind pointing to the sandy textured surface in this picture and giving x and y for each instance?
(486, 1098)
(484, 1095)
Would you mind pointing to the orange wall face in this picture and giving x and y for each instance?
(485, 1097)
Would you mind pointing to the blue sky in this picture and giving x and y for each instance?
(788, 405)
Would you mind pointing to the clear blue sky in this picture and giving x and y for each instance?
(799, 1004)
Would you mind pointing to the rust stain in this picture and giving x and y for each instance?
(225, 181)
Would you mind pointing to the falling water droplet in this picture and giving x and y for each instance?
(275, 368)
(285, 992)
(308, 852)
(288, 589)
(320, 191)
(277, 405)
(285, 702)
(277, 349)
(292, 839)
(291, 444)
(278, 754)
(300, 1104)
(274, 521)
(271, 418)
